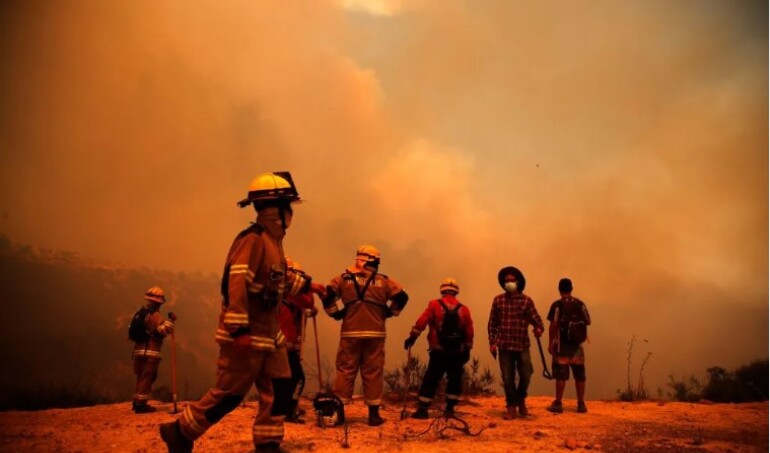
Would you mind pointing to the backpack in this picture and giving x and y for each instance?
(572, 322)
(451, 335)
(137, 328)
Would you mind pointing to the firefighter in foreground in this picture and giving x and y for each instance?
(512, 313)
(147, 330)
(291, 317)
(254, 282)
(364, 294)
(450, 341)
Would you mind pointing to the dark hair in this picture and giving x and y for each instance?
(565, 285)
(510, 270)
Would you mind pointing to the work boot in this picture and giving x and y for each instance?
(581, 408)
(523, 411)
(143, 408)
(510, 413)
(449, 411)
(174, 439)
(294, 418)
(269, 447)
(555, 407)
(421, 413)
(374, 416)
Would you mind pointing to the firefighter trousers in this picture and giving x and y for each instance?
(146, 371)
(237, 370)
(288, 388)
(366, 355)
(441, 362)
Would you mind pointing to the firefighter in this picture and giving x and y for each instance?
(148, 342)
(364, 294)
(450, 340)
(254, 282)
(291, 317)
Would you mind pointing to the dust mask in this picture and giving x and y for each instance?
(511, 287)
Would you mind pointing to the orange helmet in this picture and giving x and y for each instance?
(155, 294)
(275, 186)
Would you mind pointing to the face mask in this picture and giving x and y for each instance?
(510, 287)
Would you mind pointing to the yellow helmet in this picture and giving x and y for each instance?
(155, 294)
(291, 264)
(368, 251)
(275, 186)
(449, 285)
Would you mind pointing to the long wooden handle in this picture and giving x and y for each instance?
(173, 369)
(318, 356)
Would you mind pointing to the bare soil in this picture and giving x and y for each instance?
(608, 426)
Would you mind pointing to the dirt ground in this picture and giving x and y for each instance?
(608, 426)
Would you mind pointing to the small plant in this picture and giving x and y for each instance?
(685, 390)
(638, 393)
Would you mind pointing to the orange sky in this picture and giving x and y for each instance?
(623, 144)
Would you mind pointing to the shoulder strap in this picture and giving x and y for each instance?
(446, 309)
(361, 292)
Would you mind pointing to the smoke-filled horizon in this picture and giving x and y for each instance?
(622, 144)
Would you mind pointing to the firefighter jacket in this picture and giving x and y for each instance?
(158, 329)
(364, 295)
(254, 282)
(290, 317)
(433, 317)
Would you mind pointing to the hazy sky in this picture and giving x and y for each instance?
(623, 144)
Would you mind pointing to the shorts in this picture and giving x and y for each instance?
(570, 356)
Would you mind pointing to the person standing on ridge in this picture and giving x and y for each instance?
(567, 331)
(147, 330)
(450, 340)
(512, 313)
(364, 294)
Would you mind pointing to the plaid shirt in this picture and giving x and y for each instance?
(509, 320)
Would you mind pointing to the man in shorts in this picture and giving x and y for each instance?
(567, 331)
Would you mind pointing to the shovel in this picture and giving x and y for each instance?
(546, 374)
(173, 365)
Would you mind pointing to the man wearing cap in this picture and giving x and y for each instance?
(450, 340)
(512, 313)
(364, 294)
(567, 331)
(254, 282)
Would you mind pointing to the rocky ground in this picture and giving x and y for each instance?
(608, 426)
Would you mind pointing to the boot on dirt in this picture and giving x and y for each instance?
(449, 411)
(374, 416)
(510, 413)
(174, 439)
(523, 411)
(269, 447)
(143, 408)
(581, 407)
(555, 407)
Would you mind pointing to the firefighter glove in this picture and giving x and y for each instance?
(171, 316)
(339, 315)
(493, 350)
(409, 342)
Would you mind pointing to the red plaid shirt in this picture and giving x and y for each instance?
(509, 320)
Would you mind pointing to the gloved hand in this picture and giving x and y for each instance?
(311, 312)
(171, 316)
(388, 313)
(538, 332)
(409, 342)
(338, 316)
(493, 350)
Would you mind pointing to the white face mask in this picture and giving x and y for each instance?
(511, 287)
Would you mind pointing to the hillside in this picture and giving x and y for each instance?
(609, 426)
